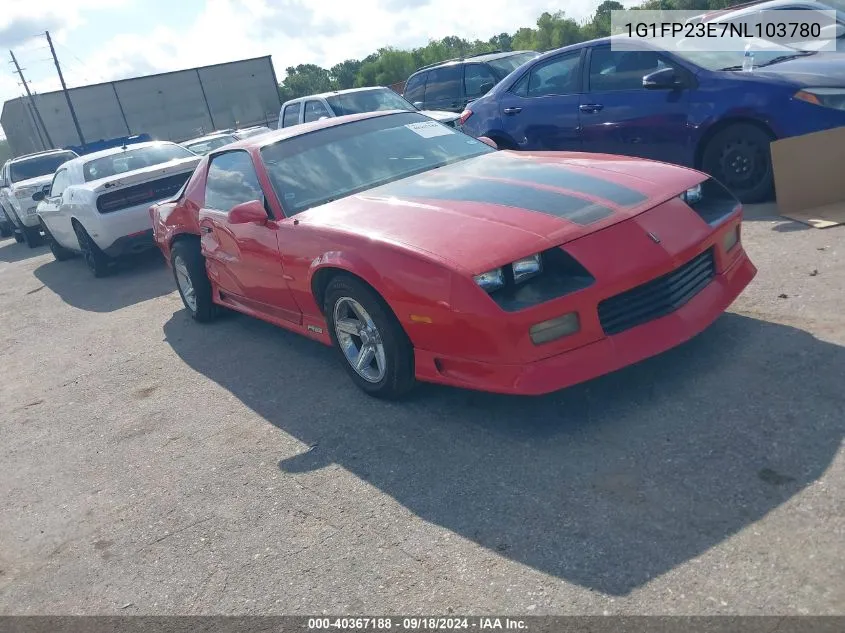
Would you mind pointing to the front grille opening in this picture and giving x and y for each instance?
(139, 194)
(658, 297)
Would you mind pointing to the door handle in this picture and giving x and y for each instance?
(591, 107)
(512, 110)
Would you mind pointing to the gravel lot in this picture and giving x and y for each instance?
(149, 465)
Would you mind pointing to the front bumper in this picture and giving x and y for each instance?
(595, 359)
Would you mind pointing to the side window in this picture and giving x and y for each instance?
(291, 115)
(443, 84)
(314, 110)
(60, 182)
(231, 180)
(621, 70)
(556, 76)
(478, 79)
(415, 88)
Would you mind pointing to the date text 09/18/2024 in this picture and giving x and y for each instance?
(415, 623)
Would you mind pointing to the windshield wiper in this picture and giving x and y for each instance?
(783, 58)
(732, 67)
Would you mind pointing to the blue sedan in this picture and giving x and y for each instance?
(688, 107)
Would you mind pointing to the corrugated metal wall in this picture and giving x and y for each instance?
(171, 106)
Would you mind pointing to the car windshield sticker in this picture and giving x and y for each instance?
(429, 129)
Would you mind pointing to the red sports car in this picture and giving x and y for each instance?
(421, 253)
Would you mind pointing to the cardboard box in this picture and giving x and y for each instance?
(809, 173)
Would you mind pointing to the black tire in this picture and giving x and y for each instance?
(98, 262)
(32, 236)
(189, 253)
(59, 252)
(398, 375)
(18, 237)
(739, 157)
(6, 230)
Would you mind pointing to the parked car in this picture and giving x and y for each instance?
(97, 204)
(202, 145)
(688, 107)
(352, 101)
(420, 253)
(20, 178)
(450, 85)
(767, 12)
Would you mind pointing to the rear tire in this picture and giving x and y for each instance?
(98, 262)
(739, 157)
(59, 252)
(18, 237)
(369, 330)
(6, 230)
(192, 281)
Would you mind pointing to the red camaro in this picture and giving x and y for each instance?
(421, 253)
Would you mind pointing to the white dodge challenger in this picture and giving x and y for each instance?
(98, 204)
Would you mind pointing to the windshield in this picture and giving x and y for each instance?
(506, 65)
(724, 60)
(133, 160)
(204, 147)
(367, 101)
(38, 166)
(322, 166)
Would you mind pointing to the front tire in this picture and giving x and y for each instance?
(192, 281)
(98, 262)
(375, 349)
(740, 158)
(32, 236)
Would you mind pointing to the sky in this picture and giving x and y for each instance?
(102, 40)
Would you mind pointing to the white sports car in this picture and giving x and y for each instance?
(98, 204)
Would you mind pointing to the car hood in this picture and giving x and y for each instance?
(441, 115)
(37, 182)
(493, 209)
(824, 70)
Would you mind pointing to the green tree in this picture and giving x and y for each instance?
(343, 75)
(303, 80)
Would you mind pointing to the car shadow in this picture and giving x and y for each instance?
(607, 484)
(11, 251)
(133, 280)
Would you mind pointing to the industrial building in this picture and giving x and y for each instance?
(169, 106)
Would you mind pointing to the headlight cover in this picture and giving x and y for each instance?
(527, 267)
(825, 97)
(491, 280)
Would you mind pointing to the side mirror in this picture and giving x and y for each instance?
(39, 195)
(488, 141)
(418, 105)
(248, 212)
(663, 79)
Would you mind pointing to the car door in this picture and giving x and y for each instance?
(291, 114)
(443, 89)
(541, 111)
(243, 259)
(620, 116)
(55, 212)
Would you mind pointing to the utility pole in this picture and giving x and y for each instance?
(32, 102)
(64, 88)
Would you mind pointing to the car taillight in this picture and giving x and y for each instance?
(464, 116)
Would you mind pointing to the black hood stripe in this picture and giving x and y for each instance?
(468, 189)
(555, 175)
